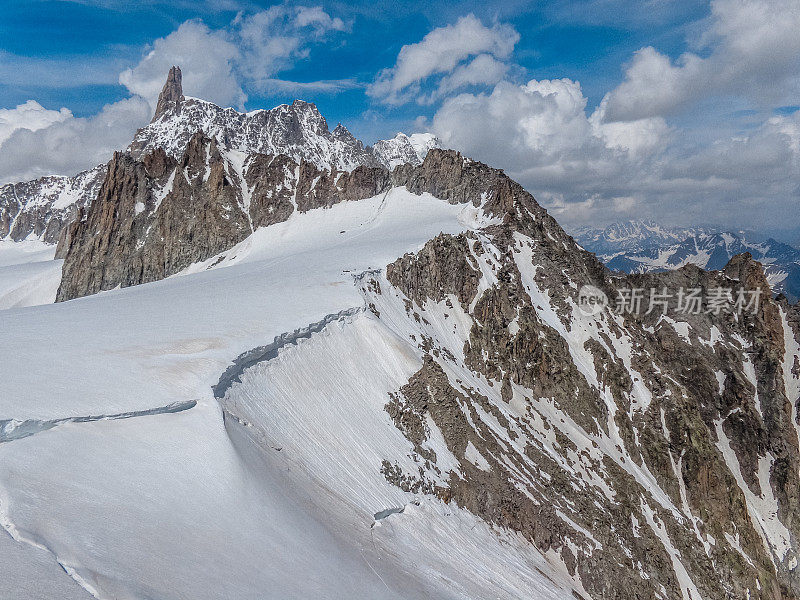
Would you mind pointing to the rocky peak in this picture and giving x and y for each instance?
(209, 182)
(44, 208)
(297, 130)
(681, 420)
(342, 133)
(748, 272)
(171, 94)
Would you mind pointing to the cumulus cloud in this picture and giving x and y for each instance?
(584, 168)
(751, 49)
(220, 65)
(440, 52)
(484, 69)
(274, 39)
(206, 60)
(622, 158)
(30, 116)
(71, 144)
(217, 65)
(542, 126)
(314, 16)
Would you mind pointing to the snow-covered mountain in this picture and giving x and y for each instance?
(301, 381)
(643, 246)
(41, 209)
(404, 149)
(633, 235)
(296, 130)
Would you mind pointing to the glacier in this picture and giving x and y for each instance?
(192, 504)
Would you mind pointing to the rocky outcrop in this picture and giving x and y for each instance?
(155, 216)
(171, 94)
(655, 453)
(41, 209)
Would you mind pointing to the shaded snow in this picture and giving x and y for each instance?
(28, 274)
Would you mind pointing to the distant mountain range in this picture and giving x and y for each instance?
(645, 247)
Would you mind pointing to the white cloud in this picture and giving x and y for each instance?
(70, 145)
(639, 138)
(583, 168)
(440, 52)
(217, 65)
(484, 69)
(36, 142)
(30, 116)
(752, 49)
(622, 159)
(274, 39)
(317, 18)
(541, 126)
(206, 60)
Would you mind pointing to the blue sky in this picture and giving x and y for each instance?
(605, 109)
(100, 38)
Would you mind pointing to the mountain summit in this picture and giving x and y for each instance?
(297, 130)
(171, 94)
(42, 209)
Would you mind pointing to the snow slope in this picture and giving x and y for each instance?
(28, 274)
(185, 503)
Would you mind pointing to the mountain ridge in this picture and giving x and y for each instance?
(645, 246)
(31, 210)
(641, 453)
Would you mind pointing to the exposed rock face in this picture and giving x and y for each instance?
(449, 176)
(156, 216)
(172, 93)
(153, 218)
(656, 455)
(41, 209)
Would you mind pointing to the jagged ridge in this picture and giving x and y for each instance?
(43, 208)
(156, 216)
